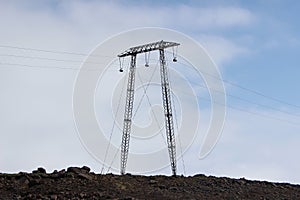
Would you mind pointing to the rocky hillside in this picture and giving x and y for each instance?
(80, 183)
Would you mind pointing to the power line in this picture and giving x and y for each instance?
(177, 127)
(50, 67)
(248, 101)
(51, 51)
(200, 85)
(247, 89)
(41, 67)
(113, 126)
(262, 115)
(50, 59)
(247, 111)
(149, 102)
(83, 54)
(261, 94)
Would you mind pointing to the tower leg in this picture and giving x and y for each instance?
(168, 110)
(128, 114)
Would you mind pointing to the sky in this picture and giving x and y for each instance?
(255, 45)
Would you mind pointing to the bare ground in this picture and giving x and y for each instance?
(80, 183)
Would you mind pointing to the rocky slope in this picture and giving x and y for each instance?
(80, 183)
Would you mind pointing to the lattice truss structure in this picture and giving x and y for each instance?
(166, 94)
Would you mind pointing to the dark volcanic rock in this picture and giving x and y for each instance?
(39, 170)
(78, 170)
(80, 183)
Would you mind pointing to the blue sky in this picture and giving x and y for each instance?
(254, 43)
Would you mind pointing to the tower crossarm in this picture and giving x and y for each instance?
(148, 47)
(166, 95)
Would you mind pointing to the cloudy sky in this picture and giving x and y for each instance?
(255, 45)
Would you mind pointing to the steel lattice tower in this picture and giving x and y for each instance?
(166, 95)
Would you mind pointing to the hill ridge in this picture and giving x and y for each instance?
(80, 183)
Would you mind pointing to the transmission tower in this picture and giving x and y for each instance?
(166, 95)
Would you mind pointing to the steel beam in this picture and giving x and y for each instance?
(166, 95)
(128, 114)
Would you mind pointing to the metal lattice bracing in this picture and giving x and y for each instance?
(148, 47)
(161, 45)
(128, 114)
(165, 86)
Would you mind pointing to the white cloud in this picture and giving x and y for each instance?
(253, 147)
(221, 49)
(214, 18)
(115, 15)
(79, 26)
